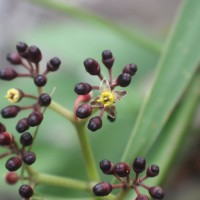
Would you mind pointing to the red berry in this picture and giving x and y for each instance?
(2, 128)
(12, 178)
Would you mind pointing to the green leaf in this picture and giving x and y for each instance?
(176, 68)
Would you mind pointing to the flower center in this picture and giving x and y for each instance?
(107, 98)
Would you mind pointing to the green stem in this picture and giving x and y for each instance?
(130, 35)
(87, 152)
(83, 139)
(61, 182)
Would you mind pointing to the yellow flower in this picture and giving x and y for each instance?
(107, 98)
(14, 95)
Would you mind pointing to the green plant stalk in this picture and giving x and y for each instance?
(130, 35)
(83, 139)
(53, 180)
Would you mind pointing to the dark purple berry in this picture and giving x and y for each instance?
(153, 171)
(34, 54)
(8, 74)
(106, 167)
(82, 88)
(130, 69)
(122, 169)
(29, 158)
(12, 178)
(142, 197)
(53, 64)
(35, 118)
(25, 191)
(156, 192)
(44, 99)
(2, 128)
(22, 125)
(111, 119)
(13, 163)
(22, 49)
(139, 165)
(40, 80)
(92, 66)
(107, 58)
(26, 139)
(95, 123)
(6, 138)
(10, 111)
(14, 58)
(102, 189)
(84, 111)
(124, 79)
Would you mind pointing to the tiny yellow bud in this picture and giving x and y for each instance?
(107, 98)
(14, 95)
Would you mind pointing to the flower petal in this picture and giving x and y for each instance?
(119, 94)
(104, 86)
(111, 111)
(95, 104)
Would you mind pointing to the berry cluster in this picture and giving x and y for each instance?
(20, 154)
(122, 172)
(29, 58)
(108, 96)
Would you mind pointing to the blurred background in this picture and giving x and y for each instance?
(73, 39)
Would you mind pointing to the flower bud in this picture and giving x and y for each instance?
(13, 164)
(22, 49)
(35, 118)
(6, 138)
(95, 123)
(124, 79)
(139, 165)
(53, 64)
(25, 191)
(10, 111)
(130, 69)
(142, 197)
(44, 99)
(153, 171)
(40, 80)
(82, 88)
(156, 192)
(14, 58)
(92, 66)
(34, 54)
(102, 189)
(84, 111)
(106, 167)
(22, 125)
(26, 139)
(122, 169)
(8, 74)
(107, 58)
(29, 158)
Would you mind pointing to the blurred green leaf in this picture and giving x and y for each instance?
(177, 66)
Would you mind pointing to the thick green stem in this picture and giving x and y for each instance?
(130, 35)
(87, 152)
(83, 139)
(61, 182)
